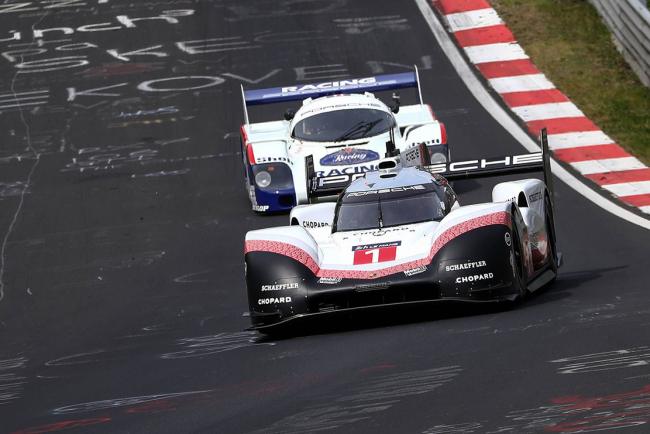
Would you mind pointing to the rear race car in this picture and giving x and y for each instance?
(341, 126)
(399, 235)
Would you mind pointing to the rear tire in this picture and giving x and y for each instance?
(517, 263)
(550, 234)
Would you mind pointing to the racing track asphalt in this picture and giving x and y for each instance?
(123, 293)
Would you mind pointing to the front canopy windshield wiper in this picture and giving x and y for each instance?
(360, 128)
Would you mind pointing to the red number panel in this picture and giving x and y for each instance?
(370, 256)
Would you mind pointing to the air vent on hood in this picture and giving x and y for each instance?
(346, 145)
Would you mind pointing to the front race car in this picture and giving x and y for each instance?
(401, 239)
(338, 134)
(468, 261)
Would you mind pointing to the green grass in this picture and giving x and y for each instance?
(567, 40)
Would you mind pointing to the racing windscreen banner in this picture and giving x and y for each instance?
(299, 92)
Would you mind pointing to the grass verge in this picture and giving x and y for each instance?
(567, 40)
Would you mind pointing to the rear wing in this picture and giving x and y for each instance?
(300, 92)
(500, 166)
(456, 170)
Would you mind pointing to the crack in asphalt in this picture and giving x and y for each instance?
(37, 156)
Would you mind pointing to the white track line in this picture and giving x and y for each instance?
(509, 124)
(608, 165)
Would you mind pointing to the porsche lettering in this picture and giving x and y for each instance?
(387, 190)
(459, 166)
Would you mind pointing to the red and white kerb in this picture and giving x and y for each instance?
(573, 138)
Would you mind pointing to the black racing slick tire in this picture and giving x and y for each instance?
(549, 221)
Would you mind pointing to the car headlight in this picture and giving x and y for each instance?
(272, 176)
(438, 157)
(263, 179)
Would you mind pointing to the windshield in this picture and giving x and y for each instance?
(340, 125)
(389, 209)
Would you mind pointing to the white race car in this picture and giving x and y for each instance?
(337, 135)
(399, 235)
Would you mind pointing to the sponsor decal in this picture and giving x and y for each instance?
(535, 197)
(414, 271)
(329, 280)
(387, 190)
(375, 253)
(342, 176)
(508, 239)
(279, 287)
(364, 287)
(273, 160)
(382, 232)
(348, 156)
(465, 266)
(260, 208)
(276, 300)
(329, 85)
(310, 224)
(474, 278)
(376, 245)
(339, 105)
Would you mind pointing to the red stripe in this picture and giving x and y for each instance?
(585, 153)
(298, 254)
(484, 35)
(636, 175)
(454, 6)
(507, 68)
(562, 125)
(250, 154)
(637, 200)
(517, 99)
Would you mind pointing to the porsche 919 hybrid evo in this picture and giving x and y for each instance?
(342, 126)
(399, 235)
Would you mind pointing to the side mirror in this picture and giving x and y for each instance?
(394, 107)
(289, 114)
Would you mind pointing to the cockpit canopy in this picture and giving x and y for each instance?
(393, 206)
(345, 124)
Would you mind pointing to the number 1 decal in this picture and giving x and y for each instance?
(373, 254)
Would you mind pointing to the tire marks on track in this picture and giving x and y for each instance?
(363, 402)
